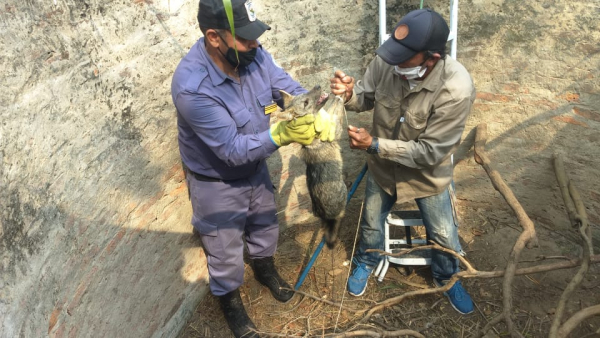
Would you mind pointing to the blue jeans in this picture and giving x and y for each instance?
(439, 218)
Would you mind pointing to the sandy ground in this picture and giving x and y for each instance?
(488, 231)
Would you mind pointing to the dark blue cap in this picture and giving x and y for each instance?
(211, 14)
(418, 31)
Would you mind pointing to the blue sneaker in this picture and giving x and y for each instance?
(357, 283)
(458, 297)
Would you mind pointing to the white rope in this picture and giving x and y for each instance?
(350, 267)
(343, 107)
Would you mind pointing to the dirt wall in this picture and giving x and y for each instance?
(95, 237)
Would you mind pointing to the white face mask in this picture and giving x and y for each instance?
(412, 72)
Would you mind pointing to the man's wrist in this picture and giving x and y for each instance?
(374, 147)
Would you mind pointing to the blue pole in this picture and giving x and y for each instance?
(355, 184)
(320, 246)
(310, 264)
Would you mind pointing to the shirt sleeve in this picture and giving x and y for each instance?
(442, 134)
(212, 123)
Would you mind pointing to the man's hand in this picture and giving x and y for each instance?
(342, 84)
(301, 130)
(359, 138)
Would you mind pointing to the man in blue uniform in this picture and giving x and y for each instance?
(224, 90)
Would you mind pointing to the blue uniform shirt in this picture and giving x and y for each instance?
(223, 128)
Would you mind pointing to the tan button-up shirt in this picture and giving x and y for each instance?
(418, 129)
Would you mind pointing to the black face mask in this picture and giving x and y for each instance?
(245, 58)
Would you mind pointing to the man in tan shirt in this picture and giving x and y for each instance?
(421, 100)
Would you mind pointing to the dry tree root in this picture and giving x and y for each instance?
(527, 237)
(577, 318)
(470, 272)
(358, 333)
(578, 218)
(563, 184)
(371, 333)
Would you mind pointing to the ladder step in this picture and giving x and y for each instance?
(403, 241)
(420, 257)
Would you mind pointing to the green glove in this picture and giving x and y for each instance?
(325, 126)
(301, 130)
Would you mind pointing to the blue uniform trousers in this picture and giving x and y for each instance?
(227, 212)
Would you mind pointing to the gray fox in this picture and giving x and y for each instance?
(324, 174)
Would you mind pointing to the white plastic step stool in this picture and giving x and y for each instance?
(406, 219)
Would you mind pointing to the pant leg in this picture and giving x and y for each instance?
(439, 216)
(219, 214)
(262, 227)
(377, 206)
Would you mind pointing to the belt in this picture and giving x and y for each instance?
(200, 177)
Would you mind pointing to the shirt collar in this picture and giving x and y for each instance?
(217, 76)
(434, 79)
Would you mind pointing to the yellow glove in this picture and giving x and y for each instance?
(325, 126)
(301, 130)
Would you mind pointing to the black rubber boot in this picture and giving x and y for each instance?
(236, 316)
(265, 273)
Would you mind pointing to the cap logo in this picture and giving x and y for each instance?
(401, 32)
(250, 11)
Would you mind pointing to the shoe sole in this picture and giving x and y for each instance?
(275, 297)
(360, 294)
(457, 310)
(283, 301)
(355, 295)
(274, 294)
(279, 299)
(449, 301)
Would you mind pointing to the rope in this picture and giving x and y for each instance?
(350, 269)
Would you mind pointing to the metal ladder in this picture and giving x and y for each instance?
(453, 25)
(392, 244)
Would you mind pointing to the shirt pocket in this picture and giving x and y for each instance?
(266, 103)
(414, 124)
(388, 112)
(415, 120)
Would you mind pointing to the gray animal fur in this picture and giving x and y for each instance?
(324, 165)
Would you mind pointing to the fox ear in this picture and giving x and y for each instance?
(287, 98)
